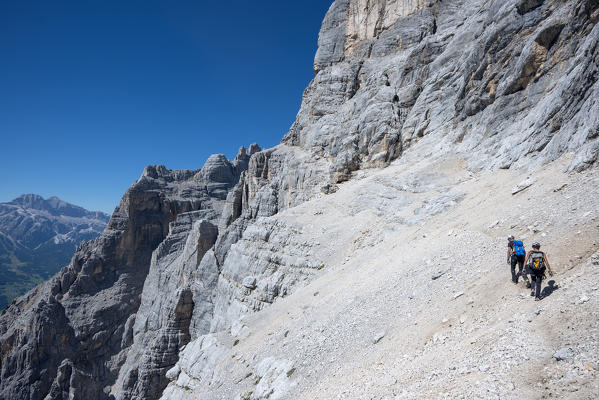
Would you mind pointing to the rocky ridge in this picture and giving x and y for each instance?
(403, 84)
(38, 237)
(70, 336)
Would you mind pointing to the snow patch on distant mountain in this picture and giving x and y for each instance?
(39, 237)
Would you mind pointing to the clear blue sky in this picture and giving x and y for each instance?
(93, 91)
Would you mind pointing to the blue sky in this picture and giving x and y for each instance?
(93, 91)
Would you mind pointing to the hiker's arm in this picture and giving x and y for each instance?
(526, 259)
(547, 263)
(508, 254)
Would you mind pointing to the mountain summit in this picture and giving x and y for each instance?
(55, 206)
(38, 237)
(364, 256)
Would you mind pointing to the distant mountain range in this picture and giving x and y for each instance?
(38, 237)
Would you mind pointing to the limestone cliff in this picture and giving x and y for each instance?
(511, 82)
(189, 256)
(70, 335)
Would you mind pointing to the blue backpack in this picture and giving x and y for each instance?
(518, 248)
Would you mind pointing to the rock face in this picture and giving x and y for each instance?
(69, 337)
(189, 255)
(511, 82)
(38, 237)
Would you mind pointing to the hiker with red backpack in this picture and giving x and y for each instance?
(515, 255)
(536, 262)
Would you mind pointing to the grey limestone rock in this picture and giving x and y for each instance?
(187, 254)
(276, 379)
(249, 282)
(525, 184)
(512, 83)
(524, 6)
(75, 330)
(178, 293)
(276, 179)
(331, 41)
(198, 364)
(563, 354)
(378, 337)
(267, 262)
(175, 303)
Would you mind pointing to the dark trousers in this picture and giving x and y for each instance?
(516, 259)
(536, 277)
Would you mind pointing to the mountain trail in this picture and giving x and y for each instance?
(415, 300)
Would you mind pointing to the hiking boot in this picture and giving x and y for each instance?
(537, 299)
(532, 293)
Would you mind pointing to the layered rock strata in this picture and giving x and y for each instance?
(69, 337)
(511, 82)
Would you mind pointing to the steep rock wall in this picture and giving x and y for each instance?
(177, 297)
(69, 337)
(511, 82)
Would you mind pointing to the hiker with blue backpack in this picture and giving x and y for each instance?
(516, 255)
(536, 262)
